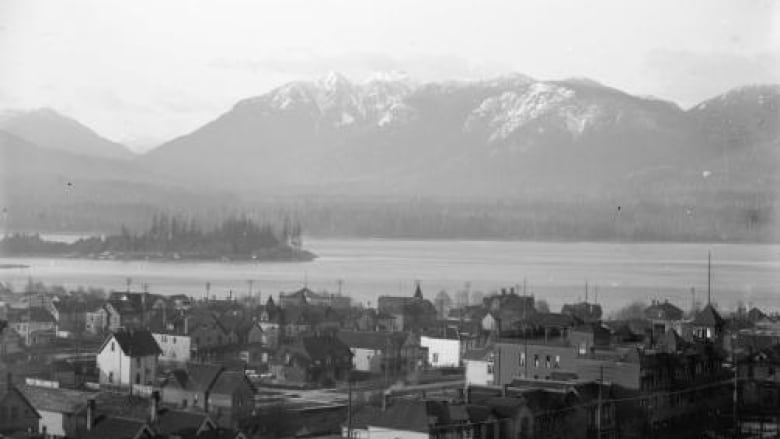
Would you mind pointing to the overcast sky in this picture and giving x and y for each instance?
(142, 72)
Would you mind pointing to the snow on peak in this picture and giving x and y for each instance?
(503, 114)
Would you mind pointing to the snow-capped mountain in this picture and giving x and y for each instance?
(333, 101)
(499, 136)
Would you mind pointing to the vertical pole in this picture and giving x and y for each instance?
(709, 277)
(349, 406)
(598, 409)
(735, 396)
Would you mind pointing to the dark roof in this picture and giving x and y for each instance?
(663, 311)
(221, 433)
(368, 340)
(5, 390)
(584, 310)
(178, 421)
(115, 428)
(755, 314)
(552, 320)
(404, 415)
(319, 348)
(228, 381)
(708, 317)
(34, 314)
(54, 400)
(197, 377)
(482, 354)
(113, 404)
(135, 343)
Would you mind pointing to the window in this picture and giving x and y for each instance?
(184, 403)
(557, 363)
(583, 348)
(547, 362)
(113, 346)
(138, 361)
(137, 378)
(522, 359)
(490, 368)
(111, 377)
(536, 360)
(435, 358)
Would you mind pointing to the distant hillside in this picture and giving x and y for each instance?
(49, 129)
(502, 137)
(510, 157)
(44, 189)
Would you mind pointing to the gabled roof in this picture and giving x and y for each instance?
(55, 399)
(179, 421)
(319, 348)
(196, 377)
(228, 381)
(663, 311)
(708, 317)
(134, 343)
(5, 391)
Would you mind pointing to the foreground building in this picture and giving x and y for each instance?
(127, 358)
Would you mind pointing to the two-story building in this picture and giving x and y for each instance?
(31, 321)
(127, 358)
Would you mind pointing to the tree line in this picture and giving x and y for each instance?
(173, 236)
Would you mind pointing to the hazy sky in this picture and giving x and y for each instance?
(142, 72)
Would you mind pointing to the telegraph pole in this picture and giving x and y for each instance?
(598, 409)
(349, 405)
(736, 384)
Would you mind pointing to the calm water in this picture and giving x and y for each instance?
(556, 272)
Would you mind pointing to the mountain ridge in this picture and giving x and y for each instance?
(48, 128)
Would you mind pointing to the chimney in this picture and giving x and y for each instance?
(90, 414)
(154, 407)
(512, 291)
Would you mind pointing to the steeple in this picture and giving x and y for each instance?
(418, 291)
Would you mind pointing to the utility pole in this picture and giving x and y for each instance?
(736, 383)
(709, 277)
(598, 409)
(349, 405)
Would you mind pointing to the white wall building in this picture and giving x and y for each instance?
(479, 367)
(175, 347)
(127, 358)
(442, 352)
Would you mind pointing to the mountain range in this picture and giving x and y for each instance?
(500, 137)
(511, 137)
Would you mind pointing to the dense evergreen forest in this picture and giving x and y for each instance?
(680, 216)
(172, 237)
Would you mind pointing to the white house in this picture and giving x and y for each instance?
(372, 350)
(480, 366)
(58, 408)
(128, 357)
(175, 346)
(442, 351)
